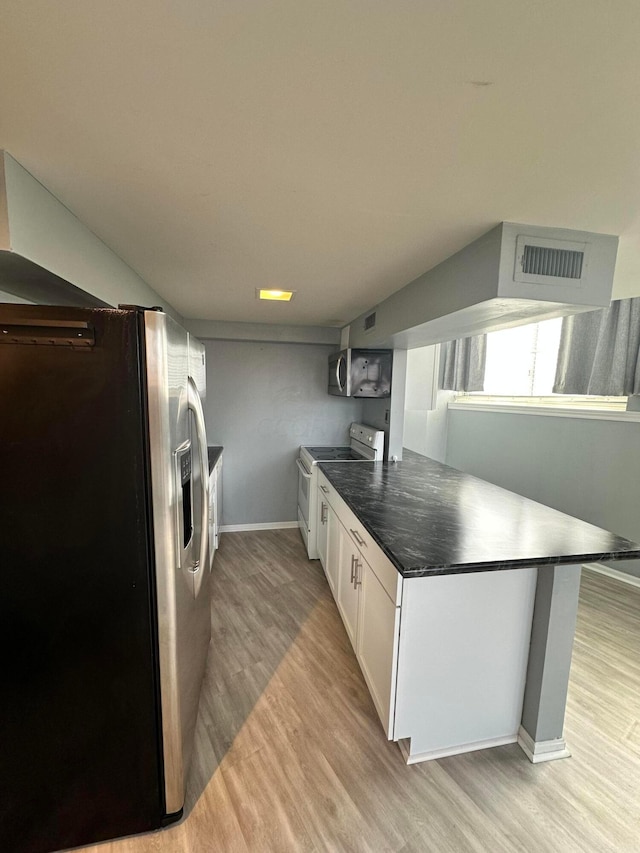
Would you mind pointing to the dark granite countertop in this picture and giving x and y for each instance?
(215, 452)
(430, 519)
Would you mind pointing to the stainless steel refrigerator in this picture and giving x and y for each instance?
(104, 576)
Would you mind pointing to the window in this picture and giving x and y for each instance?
(522, 361)
(520, 371)
(582, 356)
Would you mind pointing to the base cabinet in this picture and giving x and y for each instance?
(322, 528)
(449, 676)
(370, 616)
(332, 560)
(462, 661)
(328, 541)
(377, 644)
(215, 509)
(372, 622)
(347, 595)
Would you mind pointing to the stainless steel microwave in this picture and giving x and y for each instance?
(360, 373)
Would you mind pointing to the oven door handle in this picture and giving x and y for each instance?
(303, 470)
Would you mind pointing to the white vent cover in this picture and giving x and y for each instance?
(544, 261)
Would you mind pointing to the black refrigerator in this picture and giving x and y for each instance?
(104, 597)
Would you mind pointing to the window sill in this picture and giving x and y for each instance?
(600, 410)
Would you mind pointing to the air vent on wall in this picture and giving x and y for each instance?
(538, 260)
(541, 261)
(370, 321)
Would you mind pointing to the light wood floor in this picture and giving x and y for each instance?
(291, 757)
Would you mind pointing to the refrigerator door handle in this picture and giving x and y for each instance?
(194, 404)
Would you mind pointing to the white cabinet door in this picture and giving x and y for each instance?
(462, 660)
(322, 527)
(346, 593)
(369, 612)
(332, 560)
(218, 499)
(377, 643)
(215, 509)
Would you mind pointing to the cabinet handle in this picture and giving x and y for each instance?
(357, 581)
(353, 563)
(325, 489)
(357, 537)
(324, 513)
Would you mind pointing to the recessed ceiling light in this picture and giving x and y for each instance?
(275, 295)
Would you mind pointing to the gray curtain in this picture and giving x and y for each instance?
(464, 363)
(600, 351)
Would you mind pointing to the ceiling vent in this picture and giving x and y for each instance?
(369, 321)
(550, 261)
(570, 268)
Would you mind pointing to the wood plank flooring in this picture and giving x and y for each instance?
(290, 755)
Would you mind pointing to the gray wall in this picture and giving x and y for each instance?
(35, 225)
(387, 413)
(222, 330)
(10, 297)
(586, 468)
(425, 430)
(263, 401)
(425, 413)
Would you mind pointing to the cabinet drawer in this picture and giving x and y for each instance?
(326, 489)
(384, 570)
(382, 567)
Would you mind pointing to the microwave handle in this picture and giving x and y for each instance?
(338, 362)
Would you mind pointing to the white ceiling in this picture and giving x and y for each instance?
(339, 149)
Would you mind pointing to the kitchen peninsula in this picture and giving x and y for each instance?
(460, 600)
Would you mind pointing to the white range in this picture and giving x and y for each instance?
(366, 445)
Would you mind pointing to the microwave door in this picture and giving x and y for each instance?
(343, 373)
(340, 374)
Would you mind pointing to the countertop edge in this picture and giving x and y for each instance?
(467, 568)
(214, 452)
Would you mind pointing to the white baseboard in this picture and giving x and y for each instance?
(261, 525)
(542, 750)
(431, 755)
(601, 569)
